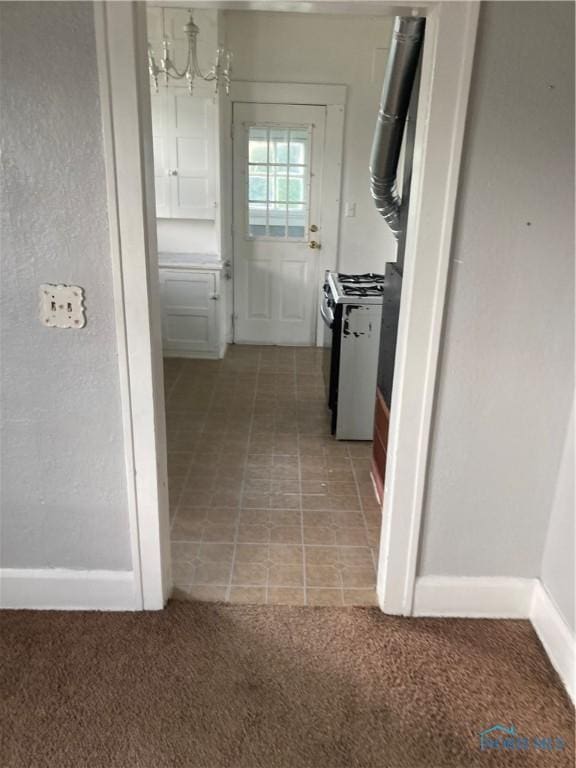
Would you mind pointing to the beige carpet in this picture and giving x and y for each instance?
(211, 686)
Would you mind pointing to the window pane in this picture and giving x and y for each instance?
(297, 215)
(278, 176)
(296, 190)
(277, 221)
(282, 190)
(298, 147)
(257, 186)
(278, 145)
(257, 219)
(258, 145)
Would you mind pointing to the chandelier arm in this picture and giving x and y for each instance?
(175, 74)
(209, 76)
(219, 73)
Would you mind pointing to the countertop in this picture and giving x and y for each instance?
(190, 260)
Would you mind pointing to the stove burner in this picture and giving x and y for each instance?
(368, 277)
(363, 290)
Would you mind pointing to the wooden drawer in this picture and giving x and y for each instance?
(381, 418)
(379, 446)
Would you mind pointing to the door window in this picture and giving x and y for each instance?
(278, 182)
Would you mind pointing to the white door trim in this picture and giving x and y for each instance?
(446, 70)
(288, 93)
(120, 29)
(333, 97)
(444, 87)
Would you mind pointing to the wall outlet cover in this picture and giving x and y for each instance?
(62, 306)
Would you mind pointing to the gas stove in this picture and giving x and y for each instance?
(351, 307)
(367, 288)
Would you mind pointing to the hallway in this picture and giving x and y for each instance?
(266, 506)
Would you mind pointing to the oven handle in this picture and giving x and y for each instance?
(327, 314)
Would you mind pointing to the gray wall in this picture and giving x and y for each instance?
(507, 363)
(63, 474)
(558, 561)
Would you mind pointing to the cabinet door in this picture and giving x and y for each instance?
(189, 320)
(162, 152)
(193, 183)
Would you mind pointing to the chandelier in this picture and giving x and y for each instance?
(220, 73)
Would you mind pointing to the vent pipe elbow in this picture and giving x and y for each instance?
(394, 103)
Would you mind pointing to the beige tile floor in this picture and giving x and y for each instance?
(266, 506)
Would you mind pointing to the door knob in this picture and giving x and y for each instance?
(314, 245)
(313, 228)
(173, 173)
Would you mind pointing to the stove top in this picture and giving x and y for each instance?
(367, 277)
(367, 288)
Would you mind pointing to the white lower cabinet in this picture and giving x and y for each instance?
(190, 313)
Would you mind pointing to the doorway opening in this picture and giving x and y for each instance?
(121, 33)
(259, 195)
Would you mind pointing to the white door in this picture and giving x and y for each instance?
(278, 161)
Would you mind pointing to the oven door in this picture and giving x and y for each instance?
(327, 306)
(334, 373)
(327, 313)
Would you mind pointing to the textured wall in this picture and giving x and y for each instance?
(507, 365)
(63, 471)
(315, 48)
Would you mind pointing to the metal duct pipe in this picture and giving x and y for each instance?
(394, 102)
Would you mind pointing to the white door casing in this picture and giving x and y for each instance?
(278, 164)
(446, 67)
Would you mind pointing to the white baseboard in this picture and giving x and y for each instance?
(68, 590)
(556, 637)
(473, 597)
(213, 355)
(503, 598)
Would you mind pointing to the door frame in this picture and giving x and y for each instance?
(125, 102)
(333, 98)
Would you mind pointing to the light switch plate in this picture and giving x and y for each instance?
(62, 306)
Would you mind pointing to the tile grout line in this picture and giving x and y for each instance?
(177, 505)
(242, 485)
(304, 575)
(276, 586)
(185, 484)
(277, 544)
(375, 565)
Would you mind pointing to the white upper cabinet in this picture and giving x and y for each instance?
(185, 167)
(161, 154)
(184, 126)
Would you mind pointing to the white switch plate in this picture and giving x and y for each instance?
(62, 306)
(350, 210)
